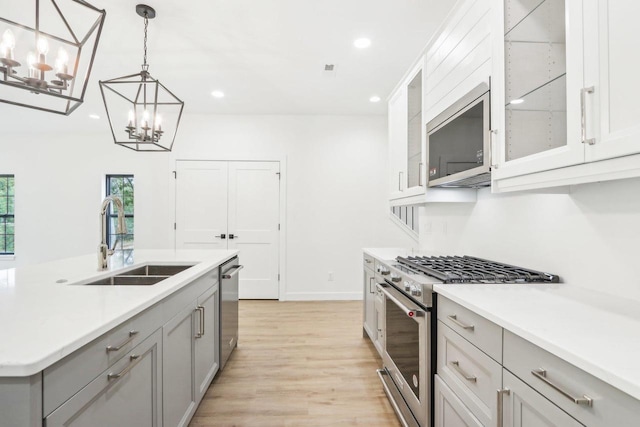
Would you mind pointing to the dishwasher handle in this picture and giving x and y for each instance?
(226, 275)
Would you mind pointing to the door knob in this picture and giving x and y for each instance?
(223, 236)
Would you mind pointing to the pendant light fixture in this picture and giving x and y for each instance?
(47, 48)
(143, 114)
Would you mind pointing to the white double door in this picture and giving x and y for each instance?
(233, 205)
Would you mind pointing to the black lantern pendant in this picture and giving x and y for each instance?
(143, 114)
(47, 48)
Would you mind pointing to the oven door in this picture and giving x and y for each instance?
(407, 353)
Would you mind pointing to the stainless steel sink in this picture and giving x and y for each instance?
(141, 276)
(128, 281)
(157, 270)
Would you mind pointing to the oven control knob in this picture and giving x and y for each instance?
(416, 291)
(407, 287)
(384, 271)
(395, 278)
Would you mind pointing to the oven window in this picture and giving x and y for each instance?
(403, 344)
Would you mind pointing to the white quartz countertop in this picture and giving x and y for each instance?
(595, 332)
(42, 321)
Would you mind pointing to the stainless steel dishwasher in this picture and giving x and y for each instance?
(228, 308)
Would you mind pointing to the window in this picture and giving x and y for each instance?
(7, 219)
(121, 186)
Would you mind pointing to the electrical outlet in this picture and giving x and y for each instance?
(331, 276)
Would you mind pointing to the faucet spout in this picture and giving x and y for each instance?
(121, 228)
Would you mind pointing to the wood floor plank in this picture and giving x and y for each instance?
(298, 364)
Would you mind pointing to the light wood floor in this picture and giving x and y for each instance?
(298, 364)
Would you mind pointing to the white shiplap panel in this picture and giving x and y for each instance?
(460, 58)
(463, 20)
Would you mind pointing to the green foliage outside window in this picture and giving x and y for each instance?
(121, 186)
(7, 217)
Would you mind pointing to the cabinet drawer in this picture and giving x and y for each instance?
(470, 373)
(449, 409)
(523, 407)
(562, 382)
(126, 394)
(368, 262)
(484, 334)
(66, 377)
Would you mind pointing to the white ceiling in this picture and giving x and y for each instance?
(267, 56)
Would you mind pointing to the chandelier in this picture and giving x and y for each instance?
(143, 114)
(47, 47)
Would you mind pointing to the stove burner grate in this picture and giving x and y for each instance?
(466, 269)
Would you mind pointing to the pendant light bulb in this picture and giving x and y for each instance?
(132, 118)
(62, 61)
(43, 46)
(8, 39)
(31, 60)
(158, 122)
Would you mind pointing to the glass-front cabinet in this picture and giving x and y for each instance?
(565, 107)
(539, 101)
(406, 136)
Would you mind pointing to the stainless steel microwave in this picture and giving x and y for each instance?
(459, 143)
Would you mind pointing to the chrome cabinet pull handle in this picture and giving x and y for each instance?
(368, 261)
(583, 115)
(454, 319)
(541, 374)
(199, 332)
(134, 359)
(123, 343)
(500, 417)
(420, 165)
(399, 181)
(456, 366)
(201, 308)
(370, 283)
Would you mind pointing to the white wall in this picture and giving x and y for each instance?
(588, 236)
(336, 200)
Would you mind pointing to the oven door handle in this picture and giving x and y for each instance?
(389, 292)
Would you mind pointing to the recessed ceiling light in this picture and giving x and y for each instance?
(94, 116)
(362, 43)
(517, 101)
(374, 98)
(217, 94)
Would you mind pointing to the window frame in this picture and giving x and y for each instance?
(12, 216)
(110, 212)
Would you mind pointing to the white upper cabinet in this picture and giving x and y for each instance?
(406, 136)
(612, 59)
(563, 98)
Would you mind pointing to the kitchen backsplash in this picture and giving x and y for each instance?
(587, 234)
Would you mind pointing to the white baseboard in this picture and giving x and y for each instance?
(322, 296)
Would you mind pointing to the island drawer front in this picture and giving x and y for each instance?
(449, 409)
(482, 333)
(471, 374)
(66, 377)
(368, 261)
(129, 393)
(610, 406)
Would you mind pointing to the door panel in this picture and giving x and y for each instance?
(254, 210)
(201, 204)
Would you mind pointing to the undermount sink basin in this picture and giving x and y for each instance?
(128, 281)
(156, 270)
(141, 276)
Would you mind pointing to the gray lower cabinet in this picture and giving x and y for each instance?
(449, 409)
(525, 407)
(369, 290)
(126, 394)
(178, 354)
(207, 341)
(190, 357)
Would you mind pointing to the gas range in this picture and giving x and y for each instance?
(416, 275)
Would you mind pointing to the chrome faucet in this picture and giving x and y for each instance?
(121, 228)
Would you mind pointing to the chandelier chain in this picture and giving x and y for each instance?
(146, 26)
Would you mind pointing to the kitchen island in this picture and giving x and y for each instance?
(62, 338)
